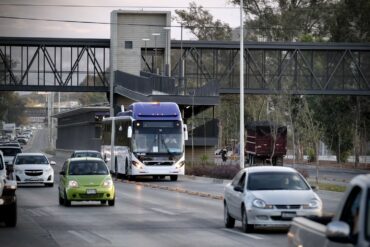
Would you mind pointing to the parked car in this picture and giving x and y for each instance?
(8, 199)
(86, 153)
(9, 153)
(349, 227)
(34, 168)
(268, 196)
(86, 179)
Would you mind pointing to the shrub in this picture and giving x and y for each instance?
(221, 172)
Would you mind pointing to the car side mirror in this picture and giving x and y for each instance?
(62, 173)
(338, 231)
(238, 188)
(53, 163)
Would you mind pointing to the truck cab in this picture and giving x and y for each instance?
(8, 200)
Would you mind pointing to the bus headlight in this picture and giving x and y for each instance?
(137, 165)
(180, 164)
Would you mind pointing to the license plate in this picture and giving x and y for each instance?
(288, 215)
(91, 192)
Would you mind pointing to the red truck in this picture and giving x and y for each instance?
(266, 143)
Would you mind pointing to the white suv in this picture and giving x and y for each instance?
(33, 168)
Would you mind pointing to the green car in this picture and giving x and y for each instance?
(86, 179)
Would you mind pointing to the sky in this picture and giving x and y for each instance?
(220, 9)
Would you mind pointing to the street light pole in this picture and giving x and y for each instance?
(167, 52)
(155, 52)
(241, 149)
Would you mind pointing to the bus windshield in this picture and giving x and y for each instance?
(157, 140)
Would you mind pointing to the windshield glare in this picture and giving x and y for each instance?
(276, 181)
(31, 160)
(88, 168)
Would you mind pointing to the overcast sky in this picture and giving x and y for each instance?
(221, 9)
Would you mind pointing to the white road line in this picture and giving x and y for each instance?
(81, 236)
(34, 212)
(162, 211)
(243, 234)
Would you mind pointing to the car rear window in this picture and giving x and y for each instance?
(87, 154)
(31, 160)
(88, 167)
(276, 181)
(11, 151)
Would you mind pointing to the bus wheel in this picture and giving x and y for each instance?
(116, 168)
(173, 177)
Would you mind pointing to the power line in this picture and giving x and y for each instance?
(110, 6)
(140, 25)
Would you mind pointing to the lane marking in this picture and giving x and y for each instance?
(81, 236)
(243, 234)
(158, 210)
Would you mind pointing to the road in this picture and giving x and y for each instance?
(142, 216)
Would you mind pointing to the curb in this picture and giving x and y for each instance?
(174, 189)
(207, 179)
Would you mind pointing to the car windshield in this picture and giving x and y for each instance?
(10, 151)
(88, 167)
(31, 160)
(276, 181)
(87, 154)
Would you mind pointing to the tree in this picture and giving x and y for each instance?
(12, 108)
(202, 24)
(286, 20)
(351, 21)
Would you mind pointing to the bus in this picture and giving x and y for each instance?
(149, 140)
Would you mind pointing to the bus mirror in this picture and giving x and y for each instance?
(129, 132)
(186, 136)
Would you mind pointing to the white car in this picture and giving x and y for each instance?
(268, 196)
(33, 168)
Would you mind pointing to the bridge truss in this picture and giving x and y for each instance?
(79, 65)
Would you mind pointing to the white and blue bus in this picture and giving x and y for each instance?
(149, 140)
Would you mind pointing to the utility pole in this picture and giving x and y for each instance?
(241, 87)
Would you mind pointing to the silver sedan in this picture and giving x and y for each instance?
(268, 196)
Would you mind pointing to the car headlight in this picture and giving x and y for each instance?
(73, 184)
(312, 204)
(258, 203)
(47, 170)
(108, 183)
(17, 171)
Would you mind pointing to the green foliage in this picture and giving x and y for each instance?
(12, 108)
(202, 24)
(351, 21)
(286, 20)
(204, 158)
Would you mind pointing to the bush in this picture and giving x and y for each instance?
(221, 172)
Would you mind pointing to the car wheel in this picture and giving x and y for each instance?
(111, 202)
(61, 201)
(103, 202)
(228, 220)
(66, 202)
(245, 226)
(173, 177)
(11, 215)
